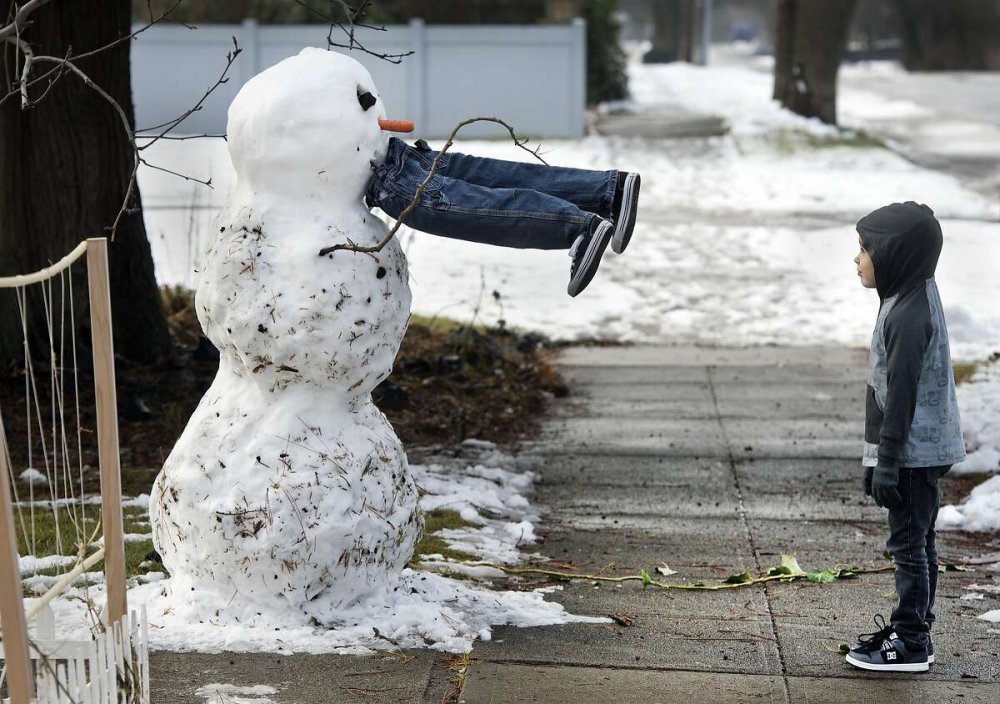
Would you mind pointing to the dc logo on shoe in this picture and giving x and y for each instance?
(891, 655)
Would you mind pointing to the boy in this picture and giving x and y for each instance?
(510, 204)
(912, 430)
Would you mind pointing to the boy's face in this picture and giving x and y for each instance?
(866, 270)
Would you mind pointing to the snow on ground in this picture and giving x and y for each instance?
(487, 487)
(217, 693)
(29, 564)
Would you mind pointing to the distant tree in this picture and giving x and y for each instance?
(949, 36)
(673, 31)
(810, 40)
(606, 75)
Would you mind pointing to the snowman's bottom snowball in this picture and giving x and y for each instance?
(423, 610)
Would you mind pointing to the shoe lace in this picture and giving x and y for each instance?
(876, 638)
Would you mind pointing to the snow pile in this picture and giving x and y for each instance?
(979, 401)
(33, 477)
(991, 616)
(420, 609)
(29, 564)
(288, 490)
(217, 693)
(980, 511)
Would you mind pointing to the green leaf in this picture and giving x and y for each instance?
(741, 578)
(665, 570)
(789, 566)
(790, 563)
(646, 580)
(821, 577)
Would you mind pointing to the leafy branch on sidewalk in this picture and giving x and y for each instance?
(787, 571)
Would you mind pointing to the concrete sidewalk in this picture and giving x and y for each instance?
(716, 461)
(713, 461)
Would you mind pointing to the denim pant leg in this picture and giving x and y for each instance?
(932, 556)
(588, 190)
(909, 527)
(508, 217)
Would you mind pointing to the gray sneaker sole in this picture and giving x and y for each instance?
(626, 218)
(591, 259)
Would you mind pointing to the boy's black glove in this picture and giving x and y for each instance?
(866, 483)
(885, 486)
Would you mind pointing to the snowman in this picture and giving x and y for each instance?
(288, 490)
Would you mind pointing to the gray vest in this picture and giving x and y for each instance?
(935, 436)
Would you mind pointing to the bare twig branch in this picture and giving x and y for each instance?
(176, 173)
(349, 25)
(58, 71)
(222, 79)
(21, 19)
(522, 143)
(29, 58)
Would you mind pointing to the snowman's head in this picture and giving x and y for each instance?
(307, 127)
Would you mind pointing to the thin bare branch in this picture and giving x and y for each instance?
(20, 20)
(223, 78)
(29, 58)
(177, 173)
(521, 143)
(59, 71)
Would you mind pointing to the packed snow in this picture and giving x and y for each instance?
(33, 477)
(218, 693)
(424, 608)
(288, 490)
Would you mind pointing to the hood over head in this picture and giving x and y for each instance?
(904, 243)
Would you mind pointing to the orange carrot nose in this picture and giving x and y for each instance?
(395, 125)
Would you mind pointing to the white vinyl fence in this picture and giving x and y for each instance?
(534, 77)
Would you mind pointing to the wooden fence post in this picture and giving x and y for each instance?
(20, 679)
(107, 428)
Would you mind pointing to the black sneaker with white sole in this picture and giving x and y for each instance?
(586, 253)
(871, 641)
(889, 655)
(624, 209)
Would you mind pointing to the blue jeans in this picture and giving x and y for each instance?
(505, 203)
(914, 550)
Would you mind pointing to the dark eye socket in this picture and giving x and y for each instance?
(366, 99)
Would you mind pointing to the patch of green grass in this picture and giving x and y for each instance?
(46, 543)
(791, 140)
(964, 371)
(430, 544)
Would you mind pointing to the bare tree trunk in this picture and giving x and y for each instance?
(809, 44)
(66, 166)
(960, 35)
(673, 31)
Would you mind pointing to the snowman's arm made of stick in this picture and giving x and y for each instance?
(522, 143)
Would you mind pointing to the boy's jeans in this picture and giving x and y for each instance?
(504, 203)
(913, 548)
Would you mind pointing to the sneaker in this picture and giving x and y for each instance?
(586, 253)
(890, 654)
(872, 641)
(624, 209)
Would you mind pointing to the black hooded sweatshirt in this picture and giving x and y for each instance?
(911, 415)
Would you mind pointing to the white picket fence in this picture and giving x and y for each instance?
(111, 668)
